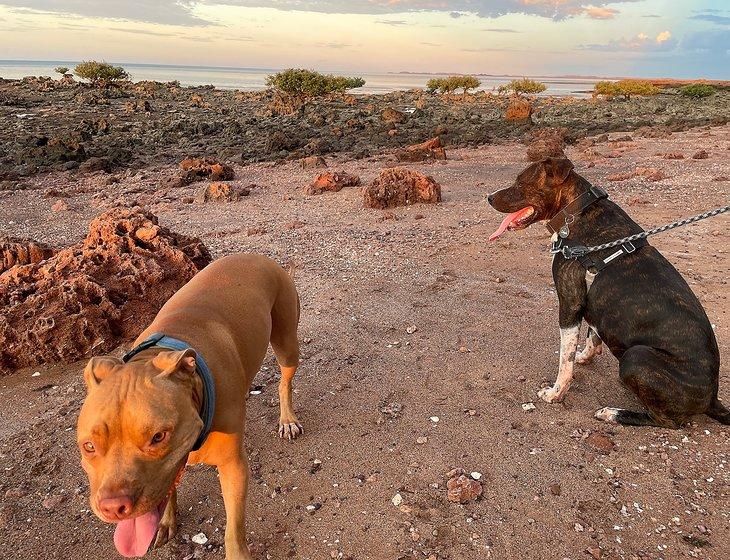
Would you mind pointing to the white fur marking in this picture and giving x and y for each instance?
(568, 347)
(607, 414)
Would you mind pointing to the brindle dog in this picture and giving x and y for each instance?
(639, 305)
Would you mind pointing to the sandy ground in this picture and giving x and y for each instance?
(485, 342)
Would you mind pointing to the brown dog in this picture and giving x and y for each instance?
(145, 418)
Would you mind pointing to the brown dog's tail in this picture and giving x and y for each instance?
(719, 412)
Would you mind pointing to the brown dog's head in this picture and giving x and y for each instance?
(539, 193)
(136, 427)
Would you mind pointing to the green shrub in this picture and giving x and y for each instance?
(308, 83)
(697, 90)
(452, 83)
(63, 70)
(626, 88)
(100, 73)
(525, 85)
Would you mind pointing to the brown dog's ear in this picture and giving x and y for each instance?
(99, 369)
(558, 168)
(169, 363)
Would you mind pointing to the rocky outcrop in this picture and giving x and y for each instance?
(221, 192)
(15, 251)
(332, 182)
(519, 109)
(399, 186)
(88, 298)
(427, 151)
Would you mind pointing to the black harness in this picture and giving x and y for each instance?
(207, 410)
(560, 226)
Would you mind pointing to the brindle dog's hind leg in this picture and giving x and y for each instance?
(593, 348)
(652, 378)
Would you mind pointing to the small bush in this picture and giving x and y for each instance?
(697, 90)
(452, 83)
(308, 83)
(525, 85)
(626, 88)
(100, 73)
(63, 70)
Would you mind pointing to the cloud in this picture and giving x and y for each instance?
(555, 9)
(639, 43)
(598, 12)
(712, 18)
(393, 22)
(172, 12)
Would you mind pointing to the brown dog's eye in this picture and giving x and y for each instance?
(159, 437)
(89, 447)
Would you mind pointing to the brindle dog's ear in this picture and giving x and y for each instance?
(558, 169)
(172, 362)
(98, 369)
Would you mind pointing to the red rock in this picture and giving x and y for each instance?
(429, 150)
(332, 182)
(398, 186)
(208, 168)
(15, 251)
(88, 298)
(651, 174)
(621, 176)
(518, 110)
(221, 192)
(60, 206)
(673, 155)
(390, 115)
(600, 442)
(702, 154)
(461, 489)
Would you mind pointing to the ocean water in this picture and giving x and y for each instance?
(253, 79)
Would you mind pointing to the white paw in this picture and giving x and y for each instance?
(550, 394)
(607, 414)
(290, 430)
(586, 355)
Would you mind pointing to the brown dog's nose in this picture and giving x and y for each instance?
(116, 507)
(490, 198)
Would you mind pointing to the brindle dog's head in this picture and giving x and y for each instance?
(539, 193)
(135, 430)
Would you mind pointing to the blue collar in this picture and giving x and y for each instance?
(208, 407)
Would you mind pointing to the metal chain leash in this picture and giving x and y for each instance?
(580, 250)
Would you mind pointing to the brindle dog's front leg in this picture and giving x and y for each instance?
(571, 288)
(234, 485)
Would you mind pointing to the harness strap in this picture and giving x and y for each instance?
(596, 266)
(560, 223)
(207, 410)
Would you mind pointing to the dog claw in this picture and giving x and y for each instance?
(290, 430)
(164, 535)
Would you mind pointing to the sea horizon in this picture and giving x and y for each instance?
(254, 79)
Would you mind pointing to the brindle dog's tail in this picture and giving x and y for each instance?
(719, 412)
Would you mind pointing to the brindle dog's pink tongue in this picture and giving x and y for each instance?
(506, 223)
(133, 537)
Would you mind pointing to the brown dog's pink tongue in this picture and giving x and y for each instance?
(513, 217)
(133, 537)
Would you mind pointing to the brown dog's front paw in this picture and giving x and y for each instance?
(290, 430)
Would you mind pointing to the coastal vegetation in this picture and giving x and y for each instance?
(626, 88)
(697, 91)
(63, 70)
(525, 86)
(308, 83)
(100, 73)
(452, 83)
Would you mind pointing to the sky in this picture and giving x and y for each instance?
(649, 38)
